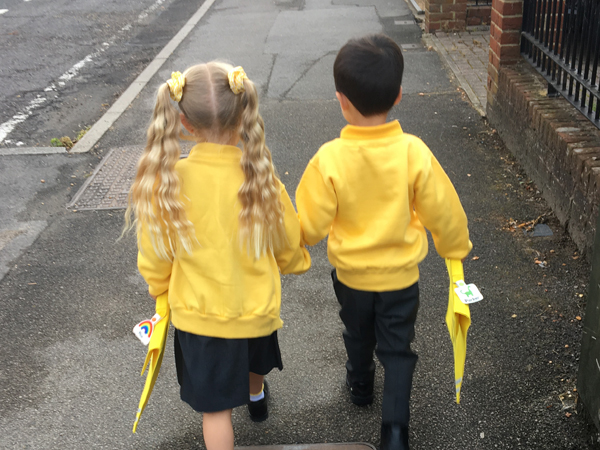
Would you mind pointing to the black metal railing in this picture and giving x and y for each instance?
(479, 2)
(561, 39)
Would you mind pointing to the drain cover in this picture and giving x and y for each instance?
(109, 185)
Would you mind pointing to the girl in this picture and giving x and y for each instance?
(214, 230)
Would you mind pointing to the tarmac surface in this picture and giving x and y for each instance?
(71, 293)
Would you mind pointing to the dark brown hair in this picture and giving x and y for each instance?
(368, 71)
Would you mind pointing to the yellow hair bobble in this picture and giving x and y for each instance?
(176, 84)
(236, 79)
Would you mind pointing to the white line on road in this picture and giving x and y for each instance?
(7, 127)
(90, 139)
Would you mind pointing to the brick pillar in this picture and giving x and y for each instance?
(445, 15)
(505, 38)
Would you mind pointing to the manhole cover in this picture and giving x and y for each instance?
(108, 186)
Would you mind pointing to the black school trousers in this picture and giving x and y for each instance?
(383, 322)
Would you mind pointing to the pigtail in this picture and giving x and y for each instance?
(261, 217)
(154, 198)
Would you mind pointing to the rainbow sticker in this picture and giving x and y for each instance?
(144, 329)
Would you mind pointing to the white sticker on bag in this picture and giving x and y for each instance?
(145, 328)
(467, 293)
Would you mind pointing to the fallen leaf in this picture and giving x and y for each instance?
(31, 284)
(513, 316)
(568, 414)
(475, 258)
(566, 345)
(578, 317)
(42, 181)
(575, 257)
(421, 94)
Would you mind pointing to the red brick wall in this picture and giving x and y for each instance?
(558, 147)
(505, 34)
(478, 15)
(445, 15)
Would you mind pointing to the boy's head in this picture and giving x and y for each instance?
(368, 71)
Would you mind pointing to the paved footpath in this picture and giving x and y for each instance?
(69, 377)
(466, 53)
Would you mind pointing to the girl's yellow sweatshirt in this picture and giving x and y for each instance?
(220, 290)
(374, 190)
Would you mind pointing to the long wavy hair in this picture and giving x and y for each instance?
(216, 114)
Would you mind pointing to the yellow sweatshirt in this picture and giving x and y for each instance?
(373, 190)
(220, 290)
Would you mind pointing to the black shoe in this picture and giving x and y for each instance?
(259, 410)
(361, 393)
(394, 437)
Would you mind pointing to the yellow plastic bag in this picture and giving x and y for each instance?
(156, 349)
(458, 320)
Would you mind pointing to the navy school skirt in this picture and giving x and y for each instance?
(213, 372)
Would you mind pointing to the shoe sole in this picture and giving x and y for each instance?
(259, 418)
(361, 401)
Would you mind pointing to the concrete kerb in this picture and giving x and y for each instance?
(33, 151)
(91, 138)
(432, 39)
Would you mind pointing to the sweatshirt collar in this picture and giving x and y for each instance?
(219, 150)
(377, 132)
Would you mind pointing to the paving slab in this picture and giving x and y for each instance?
(465, 53)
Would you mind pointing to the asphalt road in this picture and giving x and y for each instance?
(64, 62)
(69, 376)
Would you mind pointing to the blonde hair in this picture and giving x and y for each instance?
(215, 113)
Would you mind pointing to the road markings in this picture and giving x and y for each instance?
(7, 127)
(90, 139)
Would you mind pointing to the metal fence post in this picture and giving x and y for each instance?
(588, 383)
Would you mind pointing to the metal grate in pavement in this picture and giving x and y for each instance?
(109, 185)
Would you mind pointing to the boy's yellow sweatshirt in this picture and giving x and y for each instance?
(220, 290)
(374, 190)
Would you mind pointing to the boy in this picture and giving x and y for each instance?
(374, 190)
